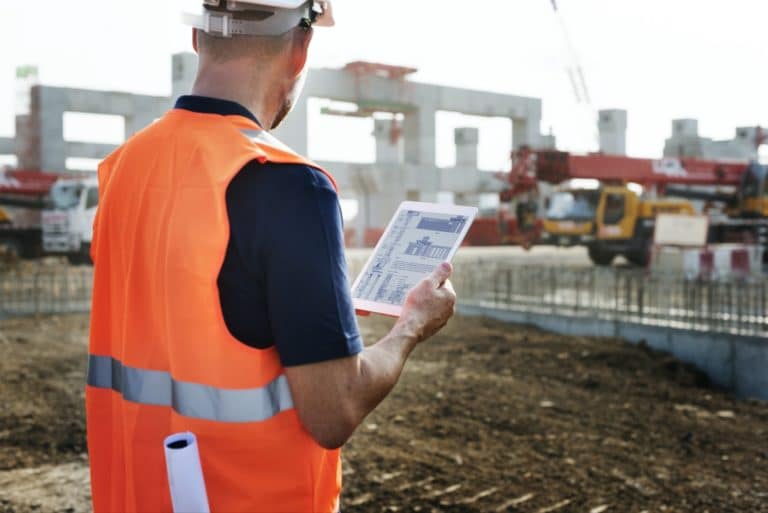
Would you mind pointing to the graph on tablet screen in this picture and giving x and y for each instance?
(416, 243)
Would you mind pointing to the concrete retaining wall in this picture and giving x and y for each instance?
(738, 363)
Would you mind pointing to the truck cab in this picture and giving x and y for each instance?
(753, 197)
(625, 223)
(68, 224)
(570, 217)
(612, 220)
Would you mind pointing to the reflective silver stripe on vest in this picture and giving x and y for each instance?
(267, 139)
(158, 388)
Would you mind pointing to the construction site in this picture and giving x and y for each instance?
(610, 351)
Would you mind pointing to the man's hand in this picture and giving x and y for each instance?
(332, 398)
(430, 304)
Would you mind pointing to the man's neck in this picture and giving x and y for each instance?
(225, 85)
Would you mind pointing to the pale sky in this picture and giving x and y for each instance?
(659, 59)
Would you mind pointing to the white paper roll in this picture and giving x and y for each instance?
(185, 474)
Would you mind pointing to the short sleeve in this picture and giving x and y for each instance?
(298, 255)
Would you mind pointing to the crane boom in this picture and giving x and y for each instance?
(556, 167)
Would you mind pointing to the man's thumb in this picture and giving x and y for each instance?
(441, 273)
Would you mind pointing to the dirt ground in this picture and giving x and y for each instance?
(488, 417)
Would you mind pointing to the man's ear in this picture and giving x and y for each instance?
(300, 49)
(194, 40)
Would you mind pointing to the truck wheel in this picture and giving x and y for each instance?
(31, 250)
(640, 259)
(80, 258)
(600, 256)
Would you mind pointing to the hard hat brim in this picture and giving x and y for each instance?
(285, 15)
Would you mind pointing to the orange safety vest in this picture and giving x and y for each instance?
(162, 360)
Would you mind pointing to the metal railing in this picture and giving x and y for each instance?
(45, 291)
(738, 307)
(614, 294)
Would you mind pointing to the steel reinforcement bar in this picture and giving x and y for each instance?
(738, 307)
(45, 291)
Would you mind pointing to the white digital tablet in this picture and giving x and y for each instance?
(419, 237)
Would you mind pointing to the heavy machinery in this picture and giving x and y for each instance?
(621, 222)
(68, 222)
(747, 201)
(516, 221)
(23, 196)
(615, 220)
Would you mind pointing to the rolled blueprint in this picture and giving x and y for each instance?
(185, 474)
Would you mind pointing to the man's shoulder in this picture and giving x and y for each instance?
(293, 177)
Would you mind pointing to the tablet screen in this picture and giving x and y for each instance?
(415, 243)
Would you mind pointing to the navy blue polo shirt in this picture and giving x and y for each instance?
(284, 278)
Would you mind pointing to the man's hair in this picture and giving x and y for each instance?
(222, 49)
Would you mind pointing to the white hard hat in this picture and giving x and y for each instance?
(227, 18)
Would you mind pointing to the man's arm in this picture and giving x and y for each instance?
(332, 398)
(287, 229)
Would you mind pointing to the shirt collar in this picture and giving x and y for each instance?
(207, 105)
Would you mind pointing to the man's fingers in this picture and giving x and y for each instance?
(441, 273)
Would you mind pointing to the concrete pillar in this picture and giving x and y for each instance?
(184, 70)
(379, 191)
(525, 131)
(419, 132)
(27, 145)
(745, 143)
(612, 125)
(143, 115)
(466, 140)
(387, 150)
(685, 128)
(40, 135)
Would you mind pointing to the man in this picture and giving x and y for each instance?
(221, 302)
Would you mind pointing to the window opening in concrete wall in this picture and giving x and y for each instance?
(489, 201)
(81, 164)
(342, 137)
(349, 208)
(495, 139)
(446, 198)
(8, 160)
(94, 128)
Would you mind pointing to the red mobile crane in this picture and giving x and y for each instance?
(516, 222)
(530, 168)
(613, 219)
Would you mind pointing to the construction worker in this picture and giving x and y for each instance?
(221, 303)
